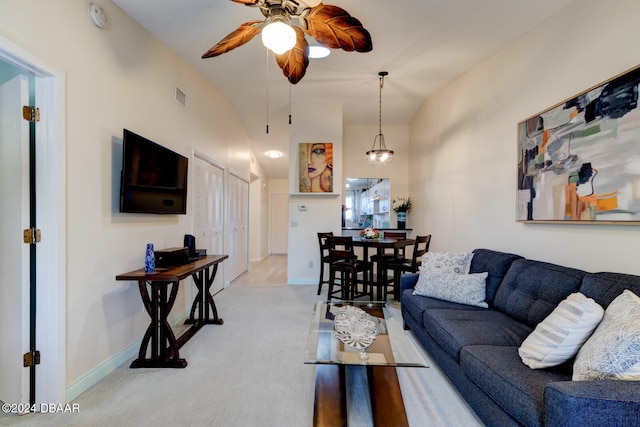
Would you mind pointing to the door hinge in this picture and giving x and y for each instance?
(31, 114)
(31, 359)
(32, 236)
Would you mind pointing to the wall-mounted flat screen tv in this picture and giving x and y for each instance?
(154, 178)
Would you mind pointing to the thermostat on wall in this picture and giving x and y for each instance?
(302, 207)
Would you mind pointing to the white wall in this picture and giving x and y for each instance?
(258, 212)
(118, 77)
(313, 123)
(463, 140)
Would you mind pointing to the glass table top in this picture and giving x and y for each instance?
(391, 347)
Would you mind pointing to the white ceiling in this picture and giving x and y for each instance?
(423, 44)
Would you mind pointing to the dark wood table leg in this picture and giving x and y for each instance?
(203, 302)
(142, 353)
(164, 348)
(209, 303)
(197, 301)
(386, 398)
(170, 350)
(330, 405)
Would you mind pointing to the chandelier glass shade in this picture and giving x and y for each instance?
(380, 154)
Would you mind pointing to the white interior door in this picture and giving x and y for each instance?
(278, 228)
(208, 219)
(238, 226)
(14, 262)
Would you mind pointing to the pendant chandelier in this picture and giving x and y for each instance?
(380, 154)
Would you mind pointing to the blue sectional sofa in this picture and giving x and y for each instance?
(477, 348)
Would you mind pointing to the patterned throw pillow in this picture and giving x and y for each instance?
(613, 351)
(561, 334)
(466, 289)
(447, 262)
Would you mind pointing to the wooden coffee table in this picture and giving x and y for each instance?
(336, 361)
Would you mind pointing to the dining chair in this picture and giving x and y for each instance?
(344, 267)
(324, 257)
(404, 265)
(396, 252)
(389, 256)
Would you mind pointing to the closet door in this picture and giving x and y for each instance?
(238, 226)
(208, 217)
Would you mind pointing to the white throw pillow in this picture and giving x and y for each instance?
(447, 262)
(561, 334)
(469, 289)
(613, 351)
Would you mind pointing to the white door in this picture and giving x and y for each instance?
(238, 226)
(279, 226)
(14, 262)
(208, 217)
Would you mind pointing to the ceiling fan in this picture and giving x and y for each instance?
(331, 26)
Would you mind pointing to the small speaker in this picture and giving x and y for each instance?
(190, 243)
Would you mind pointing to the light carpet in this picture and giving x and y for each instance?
(247, 372)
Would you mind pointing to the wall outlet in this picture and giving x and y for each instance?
(310, 264)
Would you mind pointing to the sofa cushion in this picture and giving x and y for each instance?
(519, 390)
(613, 351)
(605, 287)
(496, 264)
(446, 262)
(415, 305)
(532, 289)
(559, 337)
(453, 329)
(466, 289)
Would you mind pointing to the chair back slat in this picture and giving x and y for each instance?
(322, 241)
(397, 252)
(340, 242)
(421, 247)
(395, 234)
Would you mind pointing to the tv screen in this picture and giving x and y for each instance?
(154, 178)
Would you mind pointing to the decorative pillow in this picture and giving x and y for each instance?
(613, 351)
(561, 334)
(466, 289)
(447, 262)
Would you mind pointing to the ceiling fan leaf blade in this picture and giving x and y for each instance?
(295, 61)
(334, 27)
(247, 2)
(241, 35)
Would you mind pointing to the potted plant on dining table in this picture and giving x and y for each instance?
(402, 205)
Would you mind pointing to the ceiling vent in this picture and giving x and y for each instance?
(181, 97)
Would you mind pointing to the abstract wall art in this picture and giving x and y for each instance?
(579, 161)
(315, 162)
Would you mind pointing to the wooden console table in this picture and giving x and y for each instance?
(158, 300)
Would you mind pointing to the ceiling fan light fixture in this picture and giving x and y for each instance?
(381, 154)
(278, 37)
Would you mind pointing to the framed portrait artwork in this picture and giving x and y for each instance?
(315, 163)
(579, 161)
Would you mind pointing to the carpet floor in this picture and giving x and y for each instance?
(247, 372)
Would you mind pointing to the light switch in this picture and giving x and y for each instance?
(294, 223)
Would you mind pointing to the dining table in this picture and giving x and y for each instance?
(380, 245)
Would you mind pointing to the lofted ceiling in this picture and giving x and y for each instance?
(423, 44)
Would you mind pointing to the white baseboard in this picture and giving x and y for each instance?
(92, 377)
(254, 260)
